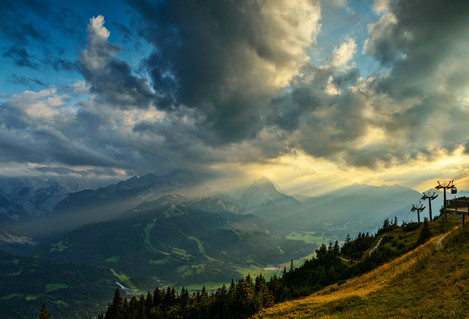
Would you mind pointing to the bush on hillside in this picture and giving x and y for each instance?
(410, 227)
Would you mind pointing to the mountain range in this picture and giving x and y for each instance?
(76, 209)
(350, 209)
(172, 229)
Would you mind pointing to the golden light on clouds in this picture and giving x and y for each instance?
(300, 174)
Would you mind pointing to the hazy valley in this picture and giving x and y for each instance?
(173, 230)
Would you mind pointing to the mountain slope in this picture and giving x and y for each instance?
(9, 211)
(13, 241)
(131, 191)
(83, 207)
(355, 208)
(426, 282)
(36, 196)
(70, 291)
(175, 240)
(350, 209)
(264, 200)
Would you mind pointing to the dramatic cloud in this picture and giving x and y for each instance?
(33, 129)
(111, 79)
(232, 84)
(380, 44)
(342, 55)
(412, 112)
(380, 6)
(427, 84)
(226, 58)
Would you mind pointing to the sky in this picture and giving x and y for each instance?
(312, 94)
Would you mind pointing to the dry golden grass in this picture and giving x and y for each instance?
(424, 283)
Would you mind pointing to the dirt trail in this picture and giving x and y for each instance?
(376, 246)
(439, 241)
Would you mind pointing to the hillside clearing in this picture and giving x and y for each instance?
(424, 283)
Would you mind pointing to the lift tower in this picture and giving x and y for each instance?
(430, 195)
(417, 208)
(445, 185)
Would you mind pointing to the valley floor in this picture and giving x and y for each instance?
(431, 281)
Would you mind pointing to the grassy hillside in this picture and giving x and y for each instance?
(431, 281)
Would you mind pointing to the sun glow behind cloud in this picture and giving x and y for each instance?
(301, 174)
(312, 94)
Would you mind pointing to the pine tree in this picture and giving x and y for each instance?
(263, 295)
(245, 301)
(424, 233)
(336, 248)
(44, 313)
(348, 239)
(157, 297)
(149, 301)
(114, 310)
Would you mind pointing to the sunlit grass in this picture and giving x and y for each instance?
(308, 237)
(113, 259)
(426, 282)
(124, 279)
(56, 286)
(60, 246)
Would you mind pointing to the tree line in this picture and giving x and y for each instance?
(247, 296)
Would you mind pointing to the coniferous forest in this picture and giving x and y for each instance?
(247, 296)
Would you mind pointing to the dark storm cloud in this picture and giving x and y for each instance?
(433, 38)
(307, 95)
(111, 79)
(417, 106)
(346, 79)
(173, 140)
(322, 124)
(222, 58)
(226, 85)
(429, 34)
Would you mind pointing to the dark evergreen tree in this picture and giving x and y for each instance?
(114, 310)
(44, 313)
(263, 295)
(348, 239)
(336, 248)
(245, 301)
(157, 297)
(424, 233)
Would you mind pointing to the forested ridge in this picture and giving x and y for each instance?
(245, 297)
